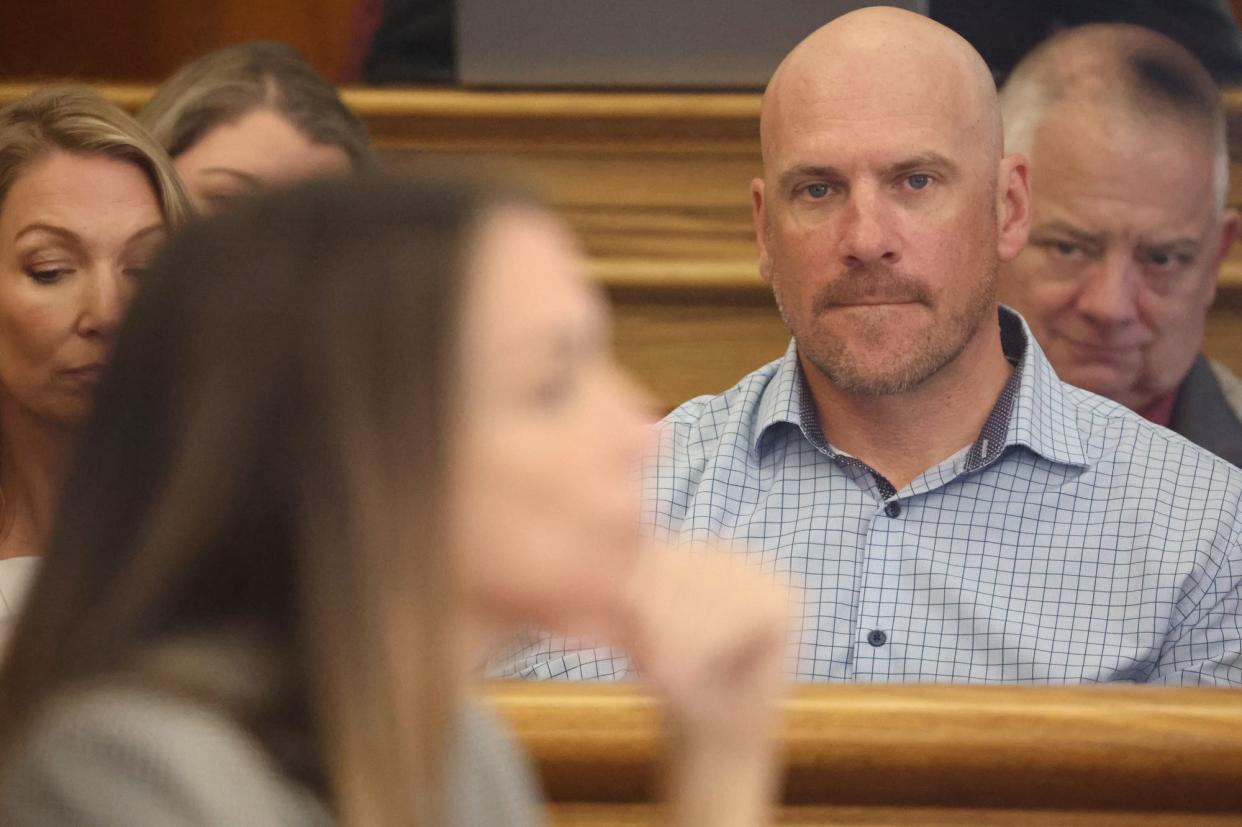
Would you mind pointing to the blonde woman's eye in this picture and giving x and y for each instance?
(222, 198)
(46, 275)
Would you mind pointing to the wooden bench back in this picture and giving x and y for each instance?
(657, 187)
(915, 754)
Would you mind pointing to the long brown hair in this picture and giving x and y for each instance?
(267, 453)
(226, 84)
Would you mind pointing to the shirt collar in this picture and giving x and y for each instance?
(783, 398)
(1033, 411)
(1045, 418)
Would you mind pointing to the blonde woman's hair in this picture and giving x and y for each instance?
(226, 84)
(73, 118)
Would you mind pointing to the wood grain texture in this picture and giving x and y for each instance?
(916, 754)
(657, 187)
(643, 815)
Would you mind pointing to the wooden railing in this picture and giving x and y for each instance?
(656, 186)
(914, 754)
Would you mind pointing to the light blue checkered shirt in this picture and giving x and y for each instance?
(1073, 542)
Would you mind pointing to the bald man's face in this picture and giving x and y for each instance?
(1125, 243)
(880, 224)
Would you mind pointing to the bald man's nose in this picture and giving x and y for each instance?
(1109, 294)
(867, 235)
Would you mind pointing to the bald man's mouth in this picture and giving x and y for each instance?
(873, 303)
(871, 287)
(876, 304)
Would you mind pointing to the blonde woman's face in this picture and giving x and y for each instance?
(545, 492)
(76, 233)
(259, 150)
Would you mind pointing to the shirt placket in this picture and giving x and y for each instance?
(875, 630)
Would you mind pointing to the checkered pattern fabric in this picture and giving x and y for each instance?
(1073, 542)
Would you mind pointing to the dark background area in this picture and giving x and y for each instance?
(144, 40)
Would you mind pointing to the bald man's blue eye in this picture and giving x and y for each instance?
(817, 190)
(919, 182)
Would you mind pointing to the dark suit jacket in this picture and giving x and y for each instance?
(1203, 415)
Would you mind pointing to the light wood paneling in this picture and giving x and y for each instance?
(916, 754)
(683, 343)
(643, 815)
(657, 187)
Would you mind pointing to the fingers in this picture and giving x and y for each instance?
(710, 635)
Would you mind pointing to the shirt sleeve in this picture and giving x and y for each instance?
(1205, 648)
(668, 476)
(547, 657)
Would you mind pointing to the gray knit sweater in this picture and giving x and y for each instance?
(120, 755)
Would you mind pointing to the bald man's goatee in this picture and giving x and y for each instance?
(871, 363)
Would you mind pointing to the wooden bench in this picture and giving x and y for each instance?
(920, 755)
(657, 187)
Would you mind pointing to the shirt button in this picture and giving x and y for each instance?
(877, 638)
(893, 509)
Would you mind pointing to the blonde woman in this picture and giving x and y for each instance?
(86, 196)
(355, 436)
(252, 116)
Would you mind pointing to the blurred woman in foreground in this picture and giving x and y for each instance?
(355, 436)
(252, 116)
(85, 197)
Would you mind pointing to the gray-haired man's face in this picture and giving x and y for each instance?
(1125, 242)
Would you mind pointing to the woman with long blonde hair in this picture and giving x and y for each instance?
(86, 196)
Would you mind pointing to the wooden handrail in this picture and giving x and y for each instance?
(377, 101)
(370, 101)
(1097, 748)
(441, 119)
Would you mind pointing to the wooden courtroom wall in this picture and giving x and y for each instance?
(146, 40)
(656, 186)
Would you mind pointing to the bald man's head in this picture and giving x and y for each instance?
(877, 56)
(885, 205)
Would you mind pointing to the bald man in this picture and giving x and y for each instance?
(950, 510)
(1125, 135)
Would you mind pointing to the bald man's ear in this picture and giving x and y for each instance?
(759, 210)
(1013, 206)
